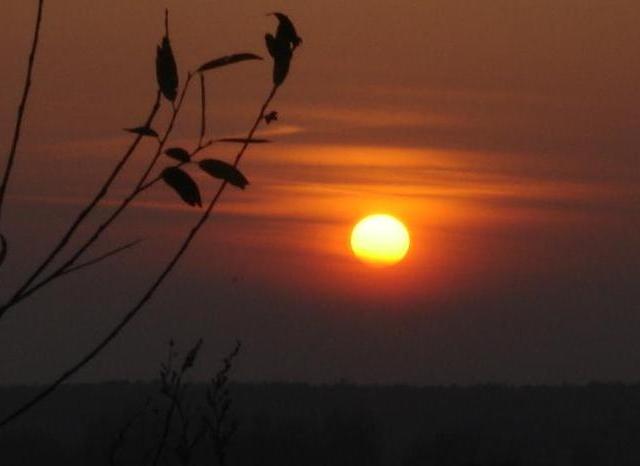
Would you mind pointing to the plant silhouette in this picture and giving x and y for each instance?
(18, 126)
(176, 176)
(192, 424)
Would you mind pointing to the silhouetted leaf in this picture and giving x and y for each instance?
(228, 60)
(286, 31)
(224, 171)
(281, 52)
(243, 140)
(271, 44)
(271, 117)
(166, 68)
(178, 153)
(183, 184)
(3, 248)
(143, 131)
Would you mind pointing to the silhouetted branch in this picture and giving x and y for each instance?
(167, 133)
(152, 289)
(203, 110)
(101, 257)
(167, 78)
(192, 155)
(27, 290)
(20, 116)
(20, 293)
(64, 268)
(3, 249)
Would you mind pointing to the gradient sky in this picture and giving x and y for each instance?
(504, 133)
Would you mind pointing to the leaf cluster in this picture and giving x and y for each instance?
(280, 47)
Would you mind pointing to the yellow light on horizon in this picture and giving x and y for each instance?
(380, 239)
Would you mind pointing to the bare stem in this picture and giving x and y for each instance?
(69, 266)
(167, 422)
(22, 107)
(27, 290)
(203, 110)
(149, 293)
(21, 292)
(167, 133)
(141, 186)
(102, 257)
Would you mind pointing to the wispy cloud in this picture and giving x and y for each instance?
(374, 117)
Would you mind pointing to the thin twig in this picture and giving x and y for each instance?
(22, 106)
(167, 133)
(20, 293)
(167, 424)
(68, 265)
(203, 110)
(141, 186)
(101, 257)
(27, 290)
(149, 293)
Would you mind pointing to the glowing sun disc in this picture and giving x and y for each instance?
(380, 239)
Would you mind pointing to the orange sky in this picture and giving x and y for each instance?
(503, 133)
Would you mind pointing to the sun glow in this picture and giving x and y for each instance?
(380, 239)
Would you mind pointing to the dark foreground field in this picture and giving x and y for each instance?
(296, 424)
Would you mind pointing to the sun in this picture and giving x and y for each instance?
(380, 239)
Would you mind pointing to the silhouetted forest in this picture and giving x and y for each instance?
(343, 424)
